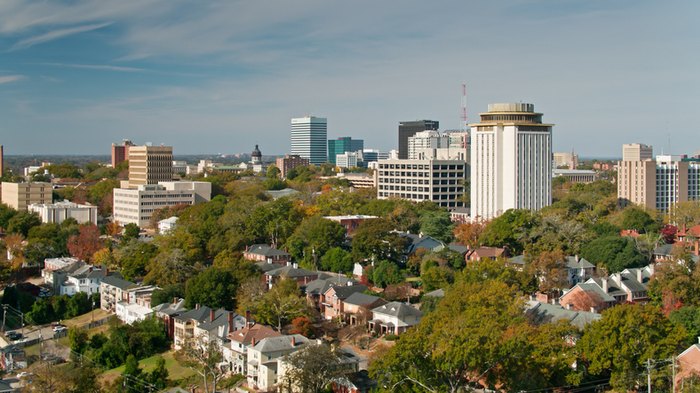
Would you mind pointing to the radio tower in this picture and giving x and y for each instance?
(464, 108)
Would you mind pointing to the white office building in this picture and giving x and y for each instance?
(310, 138)
(56, 213)
(511, 153)
(349, 159)
(440, 181)
(136, 205)
(426, 145)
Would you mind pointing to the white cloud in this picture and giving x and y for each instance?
(56, 34)
(98, 67)
(10, 78)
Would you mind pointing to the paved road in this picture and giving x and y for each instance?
(31, 334)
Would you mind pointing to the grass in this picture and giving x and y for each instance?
(85, 319)
(175, 370)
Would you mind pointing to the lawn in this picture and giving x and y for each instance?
(85, 319)
(175, 370)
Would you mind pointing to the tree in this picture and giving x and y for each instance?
(134, 257)
(86, 243)
(104, 257)
(623, 339)
(549, 270)
(469, 233)
(313, 238)
(685, 214)
(337, 260)
(281, 304)
(78, 339)
(21, 222)
(668, 233)
(170, 268)
(437, 224)
(131, 231)
(509, 230)
(374, 239)
(302, 325)
(638, 219)
(213, 287)
(385, 273)
(312, 369)
(615, 253)
(204, 359)
(167, 294)
(132, 370)
(159, 376)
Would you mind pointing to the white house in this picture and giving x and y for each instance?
(394, 318)
(264, 359)
(167, 225)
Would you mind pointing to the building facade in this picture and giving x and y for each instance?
(511, 150)
(289, 162)
(409, 128)
(576, 175)
(309, 138)
(427, 145)
(439, 181)
(136, 205)
(565, 160)
(20, 195)
(120, 153)
(56, 213)
(343, 145)
(150, 165)
(348, 160)
(636, 152)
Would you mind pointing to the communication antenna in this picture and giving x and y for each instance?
(464, 108)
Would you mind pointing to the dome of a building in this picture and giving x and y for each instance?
(256, 152)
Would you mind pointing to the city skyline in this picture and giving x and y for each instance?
(222, 77)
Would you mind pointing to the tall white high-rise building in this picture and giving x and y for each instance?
(511, 156)
(309, 138)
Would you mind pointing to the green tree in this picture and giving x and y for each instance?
(437, 224)
(131, 231)
(169, 268)
(615, 253)
(281, 304)
(337, 260)
(213, 287)
(131, 372)
(134, 257)
(313, 238)
(313, 368)
(637, 218)
(78, 339)
(167, 294)
(159, 376)
(620, 343)
(386, 273)
(375, 240)
(509, 230)
(22, 222)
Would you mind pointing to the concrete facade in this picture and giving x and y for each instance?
(150, 165)
(58, 212)
(20, 195)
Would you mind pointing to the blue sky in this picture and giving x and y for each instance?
(221, 76)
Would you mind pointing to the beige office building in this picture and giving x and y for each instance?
(636, 152)
(150, 165)
(656, 184)
(20, 195)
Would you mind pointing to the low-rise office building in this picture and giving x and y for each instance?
(20, 195)
(56, 213)
(138, 204)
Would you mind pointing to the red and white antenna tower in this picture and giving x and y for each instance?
(464, 108)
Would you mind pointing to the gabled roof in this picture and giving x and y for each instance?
(398, 310)
(344, 291)
(281, 343)
(545, 312)
(421, 241)
(264, 266)
(291, 271)
(576, 262)
(198, 314)
(265, 250)
(664, 250)
(221, 320)
(362, 299)
(436, 293)
(246, 335)
(325, 281)
(488, 252)
(115, 280)
(595, 285)
(171, 308)
(458, 247)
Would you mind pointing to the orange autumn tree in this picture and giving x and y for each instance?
(86, 243)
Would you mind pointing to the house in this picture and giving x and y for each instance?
(266, 253)
(333, 299)
(663, 253)
(688, 365)
(577, 269)
(113, 289)
(357, 306)
(316, 289)
(56, 270)
(483, 252)
(167, 225)
(416, 242)
(291, 271)
(85, 279)
(265, 359)
(167, 312)
(539, 313)
(12, 357)
(628, 286)
(394, 318)
(204, 324)
(241, 340)
(135, 304)
(350, 222)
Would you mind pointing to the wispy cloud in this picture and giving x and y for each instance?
(10, 78)
(56, 34)
(98, 67)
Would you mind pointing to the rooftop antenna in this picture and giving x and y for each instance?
(464, 108)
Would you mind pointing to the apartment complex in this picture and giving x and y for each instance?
(120, 153)
(20, 195)
(136, 205)
(656, 184)
(56, 213)
(309, 138)
(440, 181)
(343, 145)
(150, 165)
(511, 151)
(289, 162)
(408, 129)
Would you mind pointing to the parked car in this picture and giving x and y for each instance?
(14, 336)
(59, 328)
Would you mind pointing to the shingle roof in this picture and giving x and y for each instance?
(398, 309)
(576, 262)
(246, 335)
(170, 308)
(324, 281)
(290, 271)
(545, 312)
(664, 250)
(343, 291)
(266, 250)
(281, 343)
(421, 241)
(361, 299)
(115, 280)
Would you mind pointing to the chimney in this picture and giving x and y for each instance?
(651, 269)
(295, 265)
(604, 280)
(196, 306)
(230, 322)
(211, 315)
(698, 339)
(289, 263)
(248, 322)
(593, 309)
(253, 343)
(294, 341)
(639, 275)
(568, 306)
(350, 283)
(577, 258)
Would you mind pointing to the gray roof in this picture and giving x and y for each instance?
(595, 286)
(170, 308)
(421, 241)
(518, 260)
(291, 271)
(115, 280)
(571, 262)
(545, 312)
(325, 281)
(280, 343)
(458, 247)
(198, 314)
(436, 293)
(664, 250)
(344, 291)
(398, 309)
(265, 267)
(265, 250)
(221, 319)
(361, 299)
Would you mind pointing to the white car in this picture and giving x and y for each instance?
(59, 328)
(23, 374)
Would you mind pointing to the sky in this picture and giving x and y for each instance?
(222, 76)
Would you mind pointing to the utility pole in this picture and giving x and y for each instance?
(4, 312)
(673, 372)
(649, 375)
